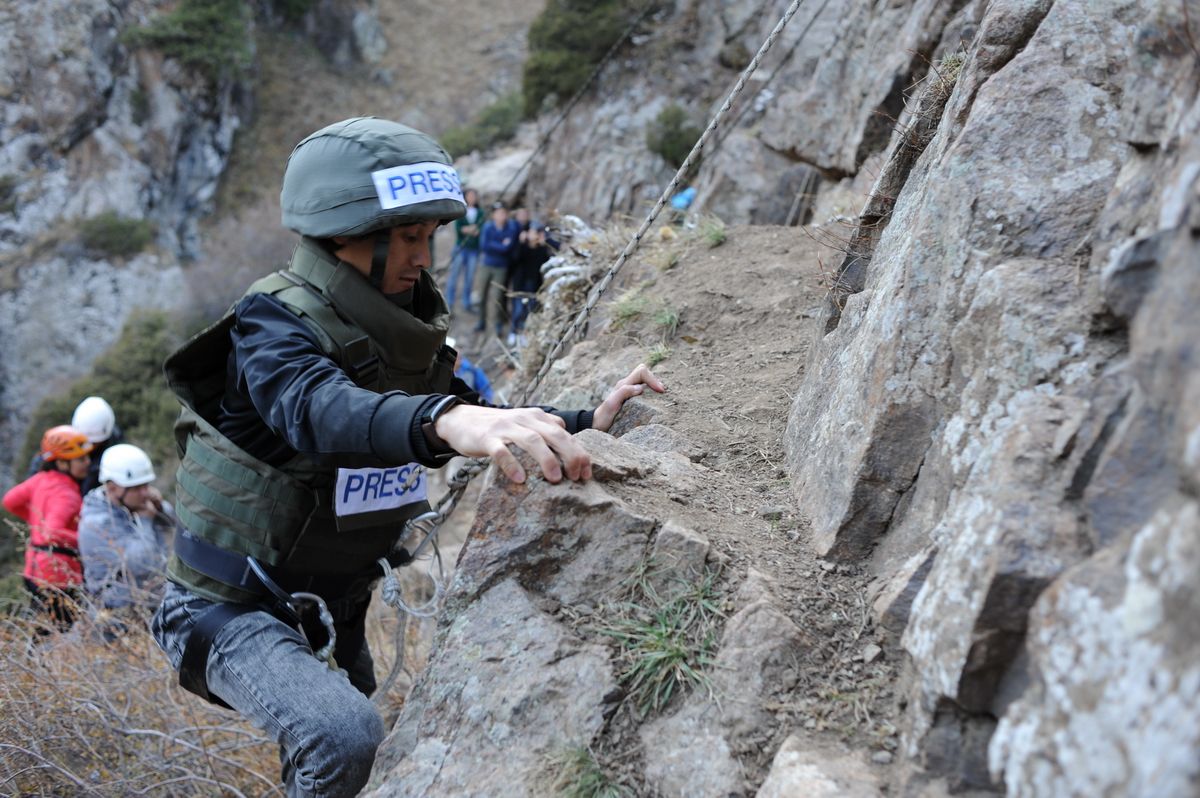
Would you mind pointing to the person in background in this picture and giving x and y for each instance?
(681, 202)
(93, 417)
(466, 252)
(523, 219)
(49, 502)
(125, 534)
(471, 374)
(497, 243)
(533, 250)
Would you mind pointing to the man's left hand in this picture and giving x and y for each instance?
(630, 386)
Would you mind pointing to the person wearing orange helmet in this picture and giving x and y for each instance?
(49, 502)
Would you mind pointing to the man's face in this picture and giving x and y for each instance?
(523, 215)
(134, 498)
(500, 216)
(408, 255)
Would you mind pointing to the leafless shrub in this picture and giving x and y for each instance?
(79, 715)
(237, 252)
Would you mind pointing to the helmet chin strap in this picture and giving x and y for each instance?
(379, 258)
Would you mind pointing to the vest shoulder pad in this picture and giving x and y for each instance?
(341, 341)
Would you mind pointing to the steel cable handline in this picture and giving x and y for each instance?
(783, 62)
(430, 522)
(668, 192)
(612, 51)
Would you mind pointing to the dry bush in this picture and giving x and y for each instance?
(81, 716)
(238, 251)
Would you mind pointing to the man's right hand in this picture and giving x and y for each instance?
(487, 432)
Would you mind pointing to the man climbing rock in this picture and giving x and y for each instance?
(309, 412)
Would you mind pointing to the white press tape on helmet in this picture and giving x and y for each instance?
(414, 183)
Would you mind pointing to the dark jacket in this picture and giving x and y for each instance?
(497, 245)
(527, 267)
(283, 396)
(469, 241)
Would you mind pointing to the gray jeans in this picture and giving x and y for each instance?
(326, 727)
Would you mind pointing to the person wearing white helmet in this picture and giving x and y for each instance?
(125, 534)
(94, 417)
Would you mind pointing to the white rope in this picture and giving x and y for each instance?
(393, 594)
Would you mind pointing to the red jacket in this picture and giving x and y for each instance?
(49, 502)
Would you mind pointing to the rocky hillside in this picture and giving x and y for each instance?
(993, 428)
(98, 137)
(920, 512)
(106, 139)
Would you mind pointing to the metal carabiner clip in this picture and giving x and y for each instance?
(289, 602)
(428, 523)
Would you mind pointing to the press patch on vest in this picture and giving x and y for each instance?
(367, 490)
(416, 182)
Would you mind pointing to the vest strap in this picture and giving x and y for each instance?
(234, 570)
(65, 551)
(342, 342)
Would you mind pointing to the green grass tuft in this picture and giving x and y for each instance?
(712, 231)
(666, 318)
(631, 305)
(111, 235)
(495, 124)
(577, 774)
(672, 135)
(666, 642)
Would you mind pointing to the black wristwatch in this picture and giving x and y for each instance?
(438, 447)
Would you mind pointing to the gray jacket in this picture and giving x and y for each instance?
(123, 554)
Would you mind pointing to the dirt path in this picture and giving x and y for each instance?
(731, 325)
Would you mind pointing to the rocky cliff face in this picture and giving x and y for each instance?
(999, 413)
(92, 127)
(824, 100)
(997, 420)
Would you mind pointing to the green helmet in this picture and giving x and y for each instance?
(366, 174)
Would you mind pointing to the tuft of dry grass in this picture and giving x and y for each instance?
(575, 772)
(82, 716)
(666, 642)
